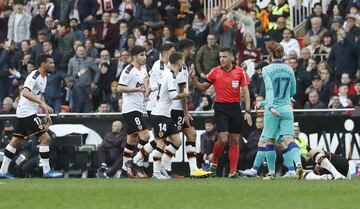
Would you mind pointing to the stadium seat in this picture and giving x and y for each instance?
(65, 159)
(87, 148)
(81, 164)
(72, 139)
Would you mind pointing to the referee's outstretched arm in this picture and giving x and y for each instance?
(200, 86)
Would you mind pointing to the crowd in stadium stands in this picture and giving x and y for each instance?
(90, 42)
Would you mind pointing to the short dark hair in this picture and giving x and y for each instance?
(185, 44)
(43, 58)
(137, 50)
(41, 4)
(19, 2)
(226, 49)
(175, 57)
(166, 47)
(209, 121)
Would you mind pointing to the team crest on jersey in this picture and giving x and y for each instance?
(235, 84)
(140, 127)
(161, 134)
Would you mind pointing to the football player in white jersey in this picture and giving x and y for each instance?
(163, 125)
(131, 85)
(28, 123)
(182, 118)
(157, 70)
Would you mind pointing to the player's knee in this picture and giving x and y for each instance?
(234, 141)
(223, 138)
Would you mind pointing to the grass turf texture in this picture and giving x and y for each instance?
(210, 193)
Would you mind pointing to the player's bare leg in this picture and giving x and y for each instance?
(44, 151)
(9, 153)
(321, 159)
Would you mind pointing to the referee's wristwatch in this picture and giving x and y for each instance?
(248, 111)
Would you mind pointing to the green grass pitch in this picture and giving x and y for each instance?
(209, 193)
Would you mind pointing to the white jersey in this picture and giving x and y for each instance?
(36, 85)
(181, 78)
(133, 77)
(167, 86)
(155, 75)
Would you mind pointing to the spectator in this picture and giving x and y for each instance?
(7, 106)
(226, 30)
(139, 35)
(106, 36)
(87, 74)
(6, 134)
(215, 19)
(356, 96)
(345, 80)
(110, 151)
(155, 38)
(65, 42)
(38, 21)
(205, 104)
(4, 19)
(247, 52)
(343, 95)
(123, 62)
(302, 143)
(280, 10)
(207, 57)
(149, 16)
(47, 48)
(90, 50)
(312, 69)
(290, 43)
(351, 28)
(314, 101)
(37, 50)
(335, 104)
(317, 29)
(85, 9)
(302, 82)
(102, 88)
(208, 139)
(246, 24)
(53, 92)
(168, 36)
(304, 58)
(277, 34)
(317, 12)
(104, 108)
(327, 42)
(32, 7)
(152, 54)
(49, 7)
(252, 142)
(257, 86)
(344, 56)
(127, 5)
(198, 31)
(74, 27)
(123, 35)
(314, 46)
(113, 97)
(327, 85)
(23, 57)
(131, 42)
(129, 19)
(19, 24)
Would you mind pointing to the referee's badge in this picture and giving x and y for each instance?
(235, 84)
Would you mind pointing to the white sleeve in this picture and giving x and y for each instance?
(124, 78)
(171, 85)
(30, 82)
(182, 77)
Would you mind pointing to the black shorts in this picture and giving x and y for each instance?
(163, 126)
(178, 118)
(340, 163)
(228, 117)
(134, 122)
(29, 126)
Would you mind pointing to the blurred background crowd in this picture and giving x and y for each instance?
(90, 42)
